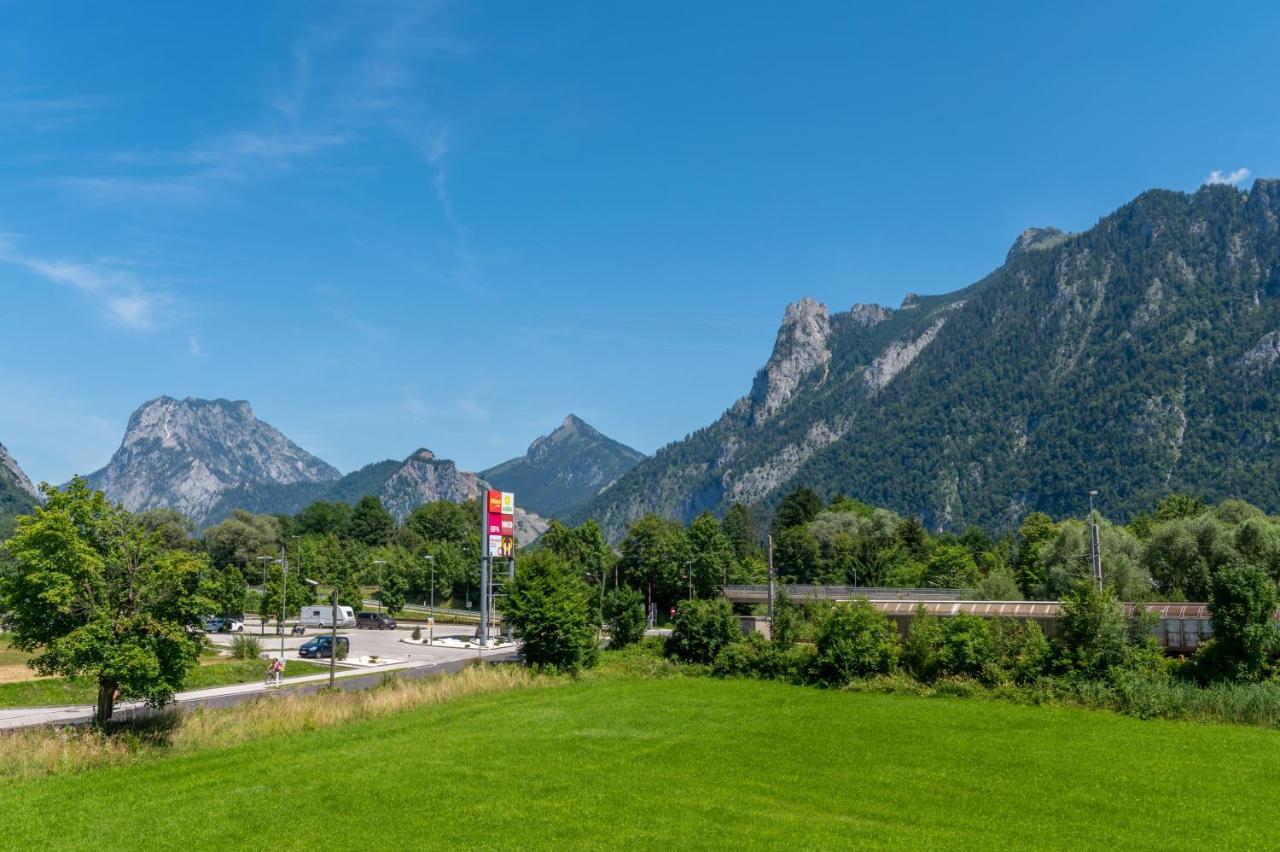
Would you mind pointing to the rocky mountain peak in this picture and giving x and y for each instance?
(564, 467)
(188, 454)
(10, 470)
(1034, 239)
(869, 315)
(422, 454)
(801, 348)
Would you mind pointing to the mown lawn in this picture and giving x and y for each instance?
(684, 762)
(53, 691)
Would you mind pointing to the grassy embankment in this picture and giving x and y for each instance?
(31, 691)
(621, 760)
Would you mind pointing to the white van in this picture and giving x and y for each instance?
(324, 616)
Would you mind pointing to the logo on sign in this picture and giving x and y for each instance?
(495, 545)
(508, 546)
(508, 503)
(495, 502)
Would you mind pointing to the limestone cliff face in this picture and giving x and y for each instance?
(1139, 357)
(800, 350)
(11, 473)
(190, 454)
(423, 478)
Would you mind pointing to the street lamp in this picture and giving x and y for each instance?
(689, 568)
(380, 563)
(431, 618)
(333, 628)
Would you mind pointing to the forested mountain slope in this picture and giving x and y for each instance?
(17, 494)
(564, 468)
(1138, 357)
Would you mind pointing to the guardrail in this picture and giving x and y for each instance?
(760, 593)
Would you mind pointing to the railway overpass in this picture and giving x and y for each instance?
(1180, 628)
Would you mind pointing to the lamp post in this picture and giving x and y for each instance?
(689, 569)
(380, 563)
(431, 617)
(333, 628)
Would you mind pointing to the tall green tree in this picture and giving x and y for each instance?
(796, 509)
(242, 538)
(229, 592)
(1242, 601)
(92, 594)
(653, 559)
(547, 607)
(284, 597)
(371, 524)
(740, 527)
(711, 555)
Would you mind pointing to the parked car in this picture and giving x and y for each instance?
(325, 615)
(218, 624)
(374, 621)
(321, 647)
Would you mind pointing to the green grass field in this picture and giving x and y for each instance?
(684, 762)
(54, 691)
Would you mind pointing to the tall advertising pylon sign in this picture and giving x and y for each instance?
(497, 542)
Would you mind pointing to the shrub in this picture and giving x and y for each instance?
(757, 657)
(416, 635)
(1242, 600)
(967, 645)
(787, 621)
(1095, 633)
(1022, 649)
(246, 647)
(702, 628)
(855, 640)
(920, 651)
(548, 607)
(624, 612)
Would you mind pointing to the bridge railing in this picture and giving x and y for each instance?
(760, 592)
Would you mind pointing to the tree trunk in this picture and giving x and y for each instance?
(106, 701)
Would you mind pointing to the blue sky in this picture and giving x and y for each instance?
(448, 225)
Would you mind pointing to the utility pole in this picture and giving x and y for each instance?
(771, 584)
(431, 619)
(262, 611)
(688, 566)
(1097, 550)
(284, 597)
(333, 633)
(380, 563)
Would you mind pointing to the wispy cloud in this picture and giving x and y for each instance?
(435, 150)
(118, 293)
(194, 345)
(1232, 178)
(21, 110)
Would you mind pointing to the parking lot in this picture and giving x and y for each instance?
(384, 644)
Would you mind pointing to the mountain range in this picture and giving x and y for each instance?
(206, 458)
(1138, 358)
(17, 494)
(564, 468)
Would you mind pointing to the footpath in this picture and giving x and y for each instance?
(226, 696)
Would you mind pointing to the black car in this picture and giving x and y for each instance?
(321, 645)
(374, 621)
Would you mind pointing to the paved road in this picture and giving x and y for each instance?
(418, 661)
